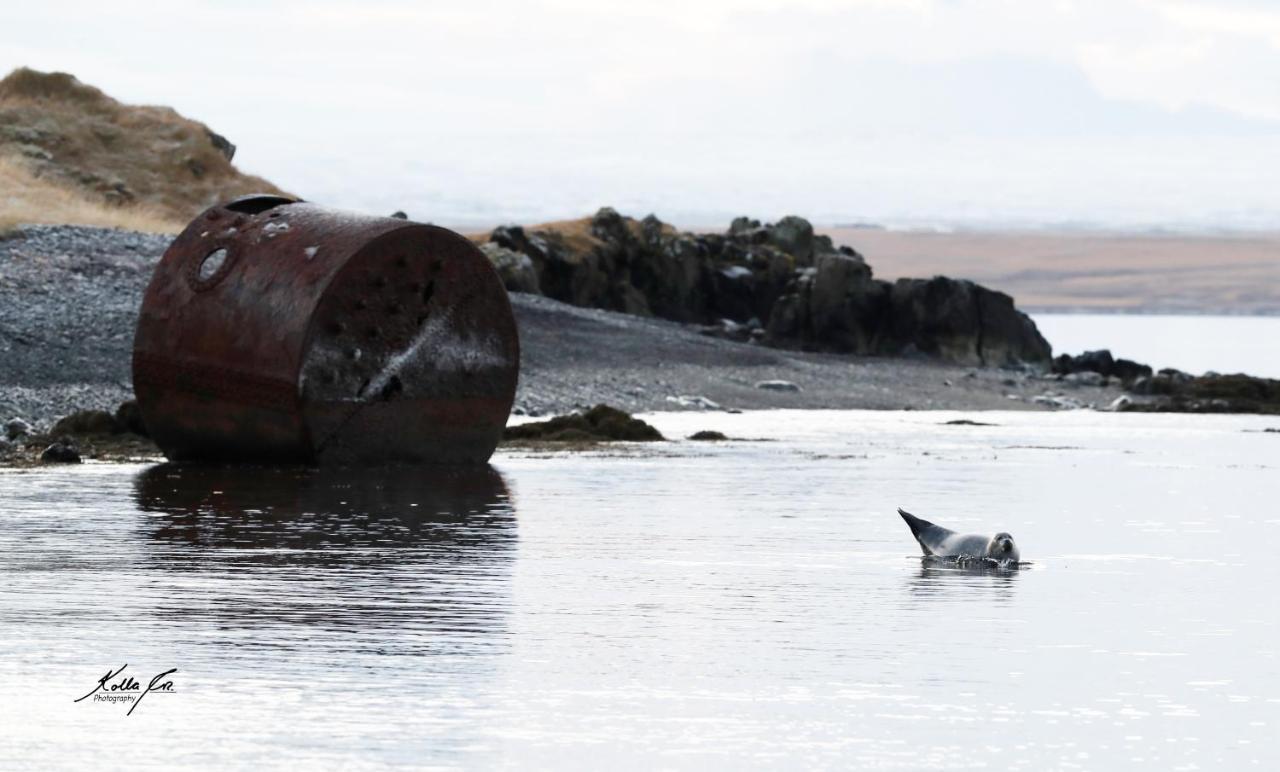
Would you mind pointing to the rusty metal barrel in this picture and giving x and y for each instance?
(277, 331)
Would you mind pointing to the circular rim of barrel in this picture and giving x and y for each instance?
(361, 269)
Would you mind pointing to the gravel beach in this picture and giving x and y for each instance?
(69, 298)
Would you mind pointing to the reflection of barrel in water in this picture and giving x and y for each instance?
(290, 507)
(380, 550)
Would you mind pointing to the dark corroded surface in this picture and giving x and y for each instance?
(284, 332)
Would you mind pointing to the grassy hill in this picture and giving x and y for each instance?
(70, 154)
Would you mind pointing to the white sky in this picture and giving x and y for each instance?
(971, 111)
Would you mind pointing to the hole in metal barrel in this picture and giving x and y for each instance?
(211, 263)
(257, 204)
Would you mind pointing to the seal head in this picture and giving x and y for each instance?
(1003, 548)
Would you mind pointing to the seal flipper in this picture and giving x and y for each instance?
(924, 531)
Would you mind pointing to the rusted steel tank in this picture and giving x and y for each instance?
(276, 331)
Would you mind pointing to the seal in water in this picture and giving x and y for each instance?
(937, 541)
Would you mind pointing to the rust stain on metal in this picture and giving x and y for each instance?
(282, 332)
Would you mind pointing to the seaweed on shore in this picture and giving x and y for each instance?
(599, 424)
(1176, 392)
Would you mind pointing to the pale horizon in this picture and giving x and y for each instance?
(920, 113)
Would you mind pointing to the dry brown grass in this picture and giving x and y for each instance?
(26, 200)
(576, 233)
(70, 136)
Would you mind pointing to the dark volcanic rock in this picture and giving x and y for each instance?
(1007, 336)
(94, 434)
(937, 316)
(61, 452)
(707, 435)
(1103, 363)
(647, 267)
(668, 269)
(16, 429)
(129, 418)
(514, 268)
(221, 144)
(733, 288)
(1090, 361)
(1177, 392)
(961, 322)
(599, 424)
(1129, 371)
(1166, 382)
(838, 306)
(793, 235)
(835, 306)
(571, 270)
(815, 296)
(87, 422)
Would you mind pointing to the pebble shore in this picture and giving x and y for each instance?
(69, 298)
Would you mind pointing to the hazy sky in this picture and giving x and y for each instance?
(1122, 112)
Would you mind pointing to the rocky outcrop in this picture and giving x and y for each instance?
(776, 282)
(837, 306)
(617, 263)
(63, 451)
(514, 268)
(833, 305)
(1173, 391)
(1101, 362)
(17, 429)
(1170, 390)
(601, 423)
(646, 267)
(129, 419)
(88, 434)
(960, 321)
(87, 422)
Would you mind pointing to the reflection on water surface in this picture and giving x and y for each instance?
(736, 605)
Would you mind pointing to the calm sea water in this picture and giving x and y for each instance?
(752, 604)
(1194, 344)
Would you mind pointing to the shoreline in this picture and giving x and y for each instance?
(69, 297)
(573, 357)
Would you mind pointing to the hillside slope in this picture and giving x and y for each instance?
(58, 135)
